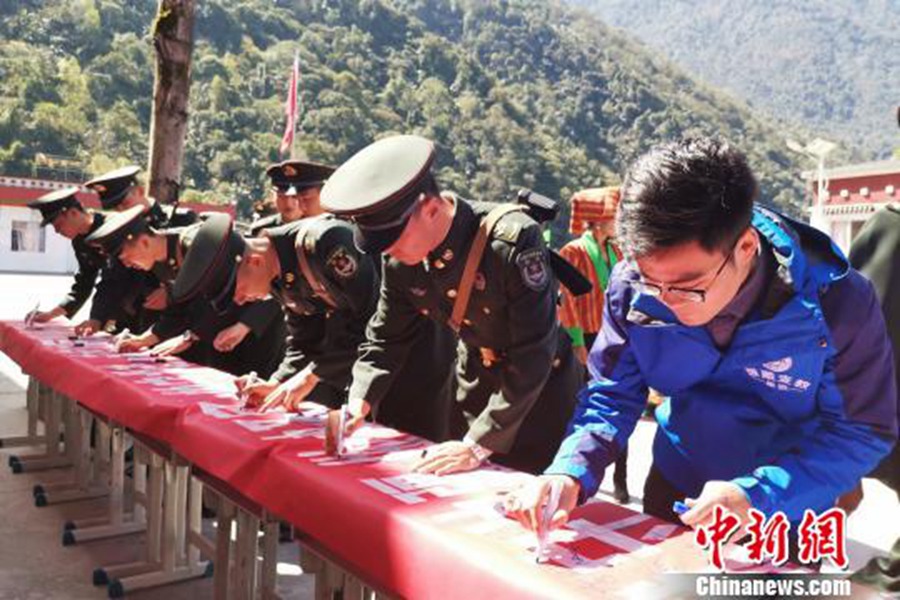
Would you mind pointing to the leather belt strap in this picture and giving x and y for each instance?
(467, 281)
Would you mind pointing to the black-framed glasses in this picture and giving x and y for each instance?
(695, 295)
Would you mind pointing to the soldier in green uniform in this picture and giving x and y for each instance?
(119, 190)
(876, 253)
(329, 291)
(295, 186)
(130, 299)
(69, 218)
(484, 271)
(230, 338)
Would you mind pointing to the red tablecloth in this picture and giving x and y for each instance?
(410, 535)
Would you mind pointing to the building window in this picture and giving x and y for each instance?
(28, 236)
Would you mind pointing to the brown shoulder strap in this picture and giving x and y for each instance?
(314, 282)
(464, 292)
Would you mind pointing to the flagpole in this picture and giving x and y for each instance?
(297, 103)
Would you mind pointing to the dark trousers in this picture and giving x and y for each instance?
(620, 474)
(660, 495)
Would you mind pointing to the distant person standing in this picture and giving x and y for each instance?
(295, 192)
(876, 254)
(594, 253)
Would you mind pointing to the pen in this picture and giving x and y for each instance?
(29, 318)
(342, 423)
(121, 337)
(549, 509)
(252, 379)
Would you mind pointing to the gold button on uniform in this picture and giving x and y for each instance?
(424, 311)
(439, 264)
(486, 310)
(451, 293)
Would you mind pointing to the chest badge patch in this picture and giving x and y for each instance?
(533, 269)
(342, 263)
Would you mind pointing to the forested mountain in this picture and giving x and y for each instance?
(516, 93)
(829, 65)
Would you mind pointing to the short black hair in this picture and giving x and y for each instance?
(696, 189)
(429, 186)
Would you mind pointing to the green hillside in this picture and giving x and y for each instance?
(516, 93)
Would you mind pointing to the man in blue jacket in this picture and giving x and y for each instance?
(771, 349)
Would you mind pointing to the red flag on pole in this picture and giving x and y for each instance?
(290, 109)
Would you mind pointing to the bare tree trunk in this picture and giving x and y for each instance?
(173, 38)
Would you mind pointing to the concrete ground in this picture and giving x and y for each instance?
(30, 537)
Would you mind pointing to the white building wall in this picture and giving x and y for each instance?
(57, 255)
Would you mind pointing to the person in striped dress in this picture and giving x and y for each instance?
(594, 253)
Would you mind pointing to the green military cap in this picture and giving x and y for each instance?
(53, 204)
(119, 228)
(298, 174)
(378, 188)
(112, 187)
(210, 265)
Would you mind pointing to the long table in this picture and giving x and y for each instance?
(408, 535)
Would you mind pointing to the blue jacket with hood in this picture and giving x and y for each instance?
(797, 408)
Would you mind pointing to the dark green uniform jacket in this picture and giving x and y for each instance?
(91, 262)
(517, 375)
(122, 291)
(263, 348)
(876, 254)
(263, 223)
(328, 334)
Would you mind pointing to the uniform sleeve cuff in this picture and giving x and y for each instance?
(314, 368)
(252, 326)
(283, 374)
(493, 440)
(476, 435)
(480, 452)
